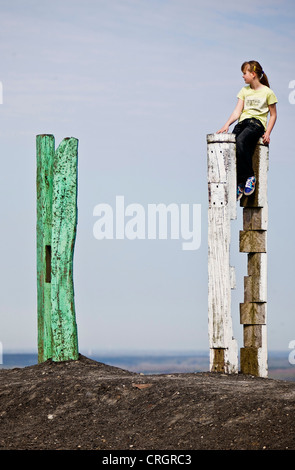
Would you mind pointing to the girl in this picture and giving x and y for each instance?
(255, 101)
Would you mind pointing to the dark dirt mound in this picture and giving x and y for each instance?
(88, 405)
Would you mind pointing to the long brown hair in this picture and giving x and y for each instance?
(254, 66)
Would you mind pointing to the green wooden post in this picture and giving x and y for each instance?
(64, 222)
(56, 234)
(45, 156)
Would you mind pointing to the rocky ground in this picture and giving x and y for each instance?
(87, 405)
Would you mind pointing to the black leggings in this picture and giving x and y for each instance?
(247, 132)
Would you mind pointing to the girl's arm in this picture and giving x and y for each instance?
(233, 117)
(272, 120)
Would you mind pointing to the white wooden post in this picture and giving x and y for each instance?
(253, 240)
(221, 151)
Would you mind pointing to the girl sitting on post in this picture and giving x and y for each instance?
(255, 101)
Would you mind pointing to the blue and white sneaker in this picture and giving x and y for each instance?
(240, 191)
(250, 186)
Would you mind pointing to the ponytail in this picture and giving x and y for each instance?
(254, 66)
(264, 79)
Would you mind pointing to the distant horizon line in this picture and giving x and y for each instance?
(134, 352)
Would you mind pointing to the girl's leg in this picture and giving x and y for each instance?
(247, 136)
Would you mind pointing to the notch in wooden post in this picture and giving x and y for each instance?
(48, 263)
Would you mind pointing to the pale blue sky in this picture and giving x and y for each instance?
(140, 83)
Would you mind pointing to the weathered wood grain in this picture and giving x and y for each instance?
(219, 287)
(255, 289)
(252, 336)
(253, 313)
(253, 361)
(218, 360)
(221, 160)
(253, 241)
(260, 166)
(257, 265)
(64, 222)
(221, 209)
(249, 361)
(255, 218)
(44, 182)
(232, 273)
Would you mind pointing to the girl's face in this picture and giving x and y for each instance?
(248, 76)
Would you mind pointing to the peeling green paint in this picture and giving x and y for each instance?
(56, 234)
(45, 158)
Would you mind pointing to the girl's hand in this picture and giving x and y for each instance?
(266, 138)
(271, 123)
(223, 129)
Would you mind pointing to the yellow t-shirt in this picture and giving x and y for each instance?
(256, 103)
